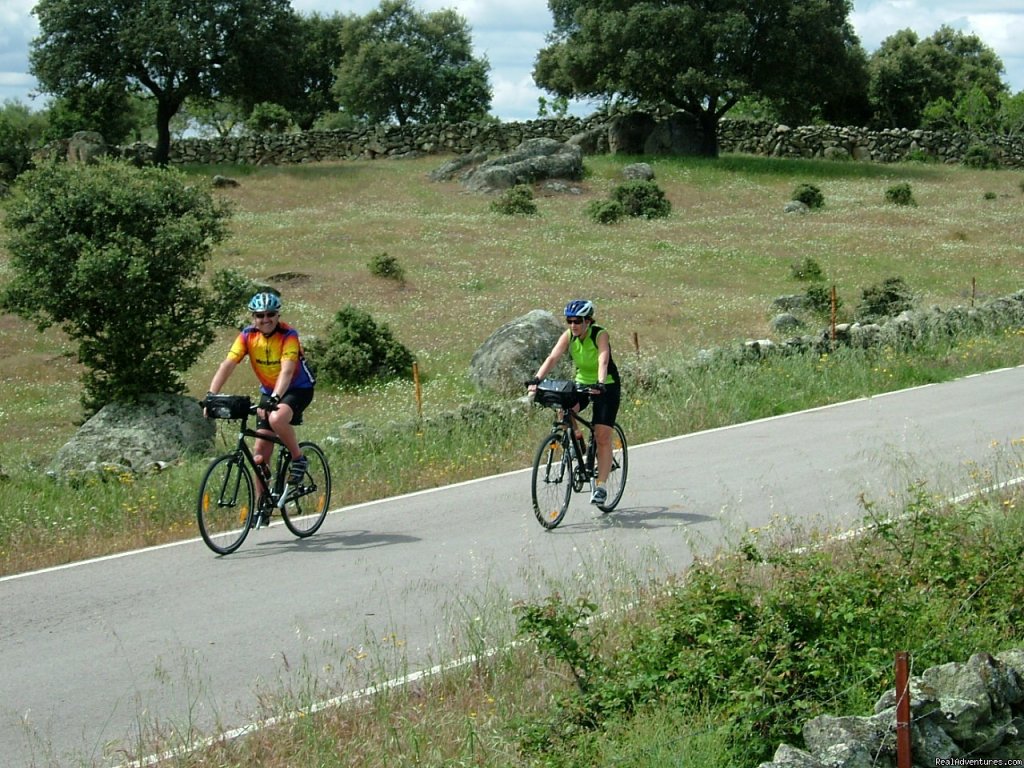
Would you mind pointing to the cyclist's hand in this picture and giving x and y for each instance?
(531, 385)
(597, 389)
(269, 403)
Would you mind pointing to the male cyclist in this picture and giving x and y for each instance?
(591, 353)
(286, 383)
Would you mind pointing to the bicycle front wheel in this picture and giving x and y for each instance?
(616, 482)
(552, 479)
(225, 506)
(308, 502)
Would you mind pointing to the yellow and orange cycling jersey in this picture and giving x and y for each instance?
(266, 353)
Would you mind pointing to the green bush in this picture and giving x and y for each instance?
(885, 299)
(515, 201)
(819, 300)
(809, 195)
(114, 255)
(900, 194)
(383, 265)
(356, 350)
(643, 199)
(267, 117)
(605, 211)
(990, 195)
(981, 156)
(807, 270)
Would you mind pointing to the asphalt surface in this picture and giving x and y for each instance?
(93, 653)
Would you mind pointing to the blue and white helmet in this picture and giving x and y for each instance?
(579, 308)
(265, 302)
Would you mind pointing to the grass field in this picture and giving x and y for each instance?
(705, 276)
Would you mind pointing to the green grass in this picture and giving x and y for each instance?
(705, 276)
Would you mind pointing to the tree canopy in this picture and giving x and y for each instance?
(907, 74)
(702, 57)
(174, 49)
(115, 256)
(401, 65)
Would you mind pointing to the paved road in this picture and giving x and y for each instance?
(176, 635)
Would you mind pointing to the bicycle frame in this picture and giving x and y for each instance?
(278, 489)
(568, 420)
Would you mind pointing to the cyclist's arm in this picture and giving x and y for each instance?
(222, 375)
(604, 354)
(284, 378)
(556, 354)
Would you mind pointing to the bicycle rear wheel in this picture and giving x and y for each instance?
(552, 479)
(308, 503)
(225, 506)
(616, 482)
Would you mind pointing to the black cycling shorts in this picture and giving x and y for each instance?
(296, 399)
(606, 406)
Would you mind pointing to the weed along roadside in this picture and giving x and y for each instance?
(724, 664)
(701, 278)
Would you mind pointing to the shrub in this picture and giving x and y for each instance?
(268, 117)
(516, 201)
(115, 255)
(605, 211)
(819, 300)
(356, 350)
(990, 195)
(383, 265)
(809, 195)
(642, 199)
(981, 156)
(900, 194)
(885, 299)
(807, 270)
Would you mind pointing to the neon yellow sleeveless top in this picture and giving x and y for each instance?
(584, 356)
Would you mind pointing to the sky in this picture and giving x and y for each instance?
(510, 32)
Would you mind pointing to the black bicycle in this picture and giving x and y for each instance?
(565, 463)
(228, 508)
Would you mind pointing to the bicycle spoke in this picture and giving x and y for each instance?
(552, 480)
(225, 504)
(309, 501)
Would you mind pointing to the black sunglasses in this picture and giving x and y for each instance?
(574, 320)
(261, 315)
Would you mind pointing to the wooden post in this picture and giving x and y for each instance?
(833, 316)
(902, 712)
(636, 343)
(974, 289)
(419, 392)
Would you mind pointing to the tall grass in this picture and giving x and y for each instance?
(47, 522)
(703, 277)
(713, 668)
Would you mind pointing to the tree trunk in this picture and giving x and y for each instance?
(709, 133)
(165, 110)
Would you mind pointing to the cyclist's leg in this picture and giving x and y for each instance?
(288, 413)
(262, 452)
(606, 409)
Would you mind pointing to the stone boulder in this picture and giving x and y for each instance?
(135, 438)
(533, 160)
(86, 147)
(638, 172)
(512, 354)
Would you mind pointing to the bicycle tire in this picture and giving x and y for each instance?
(307, 506)
(225, 506)
(552, 479)
(615, 484)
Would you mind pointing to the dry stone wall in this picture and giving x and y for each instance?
(752, 137)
